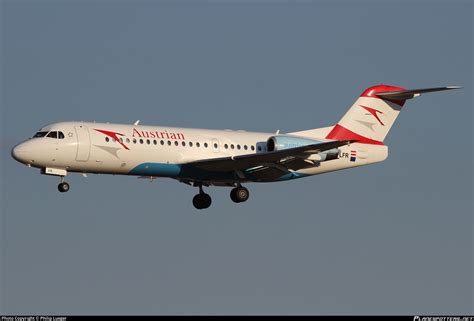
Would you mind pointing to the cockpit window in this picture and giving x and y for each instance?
(53, 135)
(40, 134)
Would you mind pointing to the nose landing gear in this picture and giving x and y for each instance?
(202, 200)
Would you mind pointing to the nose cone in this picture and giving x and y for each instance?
(21, 153)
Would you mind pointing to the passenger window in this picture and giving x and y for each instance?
(252, 147)
(53, 135)
(215, 145)
(60, 135)
(148, 141)
(231, 146)
(238, 147)
(154, 142)
(134, 140)
(198, 144)
(141, 141)
(226, 146)
(107, 139)
(205, 145)
(169, 143)
(245, 147)
(121, 139)
(183, 143)
(190, 144)
(128, 140)
(176, 143)
(162, 142)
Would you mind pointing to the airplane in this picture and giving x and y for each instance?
(207, 157)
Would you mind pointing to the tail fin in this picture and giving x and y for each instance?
(374, 112)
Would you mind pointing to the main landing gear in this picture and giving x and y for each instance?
(63, 187)
(239, 194)
(202, 200)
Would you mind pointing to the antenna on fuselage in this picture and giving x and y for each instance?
(137, 122)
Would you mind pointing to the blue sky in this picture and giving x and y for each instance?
(391, 238)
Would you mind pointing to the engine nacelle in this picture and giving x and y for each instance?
(281, 142)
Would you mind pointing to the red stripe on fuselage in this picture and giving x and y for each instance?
(342, 133)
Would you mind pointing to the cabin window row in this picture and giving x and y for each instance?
(176, 143)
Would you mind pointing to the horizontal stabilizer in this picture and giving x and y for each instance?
(412, 93)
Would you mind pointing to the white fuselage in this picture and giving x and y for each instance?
(204, 157)
(156, 151)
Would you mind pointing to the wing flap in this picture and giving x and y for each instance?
(268, 173)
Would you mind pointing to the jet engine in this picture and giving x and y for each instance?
(281, 142)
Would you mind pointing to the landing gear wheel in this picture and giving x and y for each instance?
(239, 194)
(202, 201)
(63, 187)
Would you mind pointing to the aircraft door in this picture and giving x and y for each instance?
(83, 143)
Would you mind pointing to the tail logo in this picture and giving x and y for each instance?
(374, 112)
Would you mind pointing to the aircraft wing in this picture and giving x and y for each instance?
(281, 159)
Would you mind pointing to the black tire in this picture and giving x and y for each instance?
(239, 194)
(207, 200)
(233, 195)
(197, 201)
(202, 201)
(63, 187)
